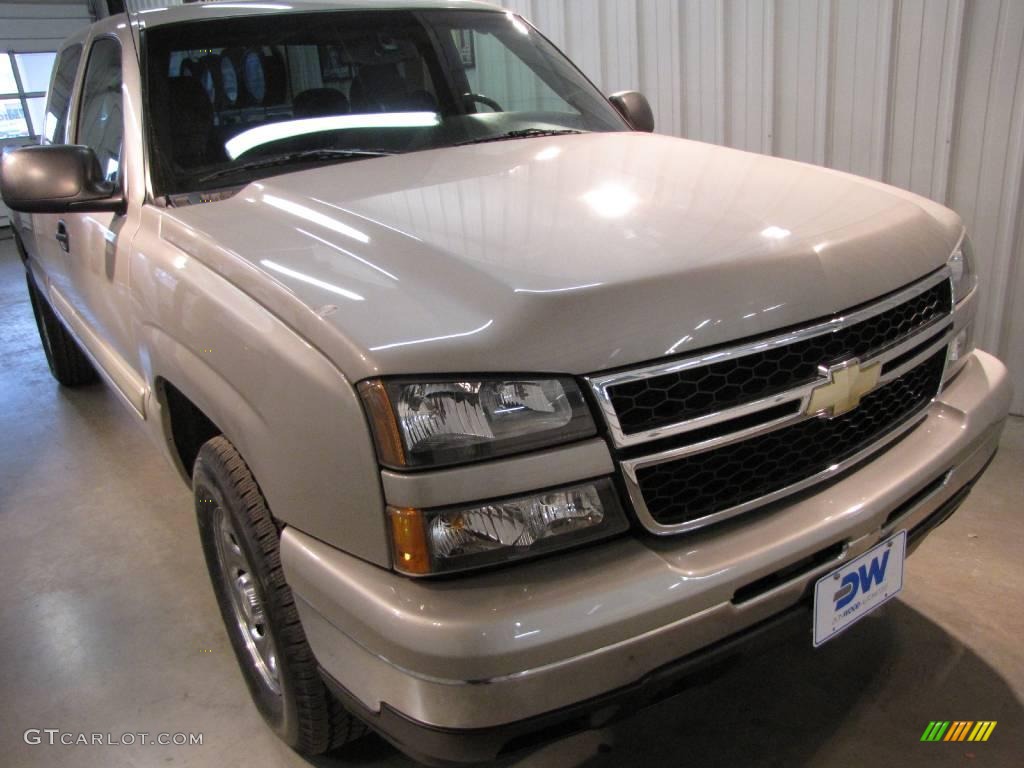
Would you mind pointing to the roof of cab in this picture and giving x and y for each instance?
(224, 8)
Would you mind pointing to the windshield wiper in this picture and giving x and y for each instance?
(525, 133)
(295, 157)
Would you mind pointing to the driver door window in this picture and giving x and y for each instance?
(100, 122)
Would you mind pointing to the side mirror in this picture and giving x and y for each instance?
(58, 178)
(633, 106)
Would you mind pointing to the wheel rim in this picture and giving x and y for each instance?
(246, 601)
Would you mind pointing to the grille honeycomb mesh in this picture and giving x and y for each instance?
(698, 485)
(655, 402)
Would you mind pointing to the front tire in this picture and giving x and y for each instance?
(240, 542)
(68, 363)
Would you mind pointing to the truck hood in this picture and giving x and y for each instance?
(566, 254)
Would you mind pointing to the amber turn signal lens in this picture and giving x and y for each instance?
(382, 420)
(409, 540)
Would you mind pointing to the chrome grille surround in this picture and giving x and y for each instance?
(903, 355)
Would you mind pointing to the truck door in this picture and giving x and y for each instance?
(96, 245)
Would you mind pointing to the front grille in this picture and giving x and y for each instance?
(689, 393)
(701, 484)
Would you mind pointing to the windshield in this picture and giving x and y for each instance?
(241, 98)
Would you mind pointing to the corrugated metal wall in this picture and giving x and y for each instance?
(924, 94)
(144, 5)
(40, 26)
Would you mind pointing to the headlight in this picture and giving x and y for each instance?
(433, 423)
(472, 536)
(961, 265)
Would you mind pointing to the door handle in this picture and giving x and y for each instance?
(62, 236)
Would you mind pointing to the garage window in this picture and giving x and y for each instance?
(23, 81)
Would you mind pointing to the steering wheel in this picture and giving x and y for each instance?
(487, 100)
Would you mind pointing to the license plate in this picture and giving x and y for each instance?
(857, 588)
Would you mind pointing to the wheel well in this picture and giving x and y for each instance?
(190, 427)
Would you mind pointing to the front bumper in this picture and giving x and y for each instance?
(497, 652)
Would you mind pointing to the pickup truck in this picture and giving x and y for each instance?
(502, 414)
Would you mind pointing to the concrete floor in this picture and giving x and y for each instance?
(107, 623)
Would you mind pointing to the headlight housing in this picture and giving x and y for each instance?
(961, 266)
(450, 421)
(487, 533)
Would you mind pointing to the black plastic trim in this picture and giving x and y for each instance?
(945, 511)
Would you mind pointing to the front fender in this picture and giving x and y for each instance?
(291, 413)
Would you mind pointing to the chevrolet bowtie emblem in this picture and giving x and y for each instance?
(847, 384)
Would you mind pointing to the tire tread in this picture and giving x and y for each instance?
(323, 723)
(68, 363)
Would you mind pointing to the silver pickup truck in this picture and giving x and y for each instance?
(503, 415)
